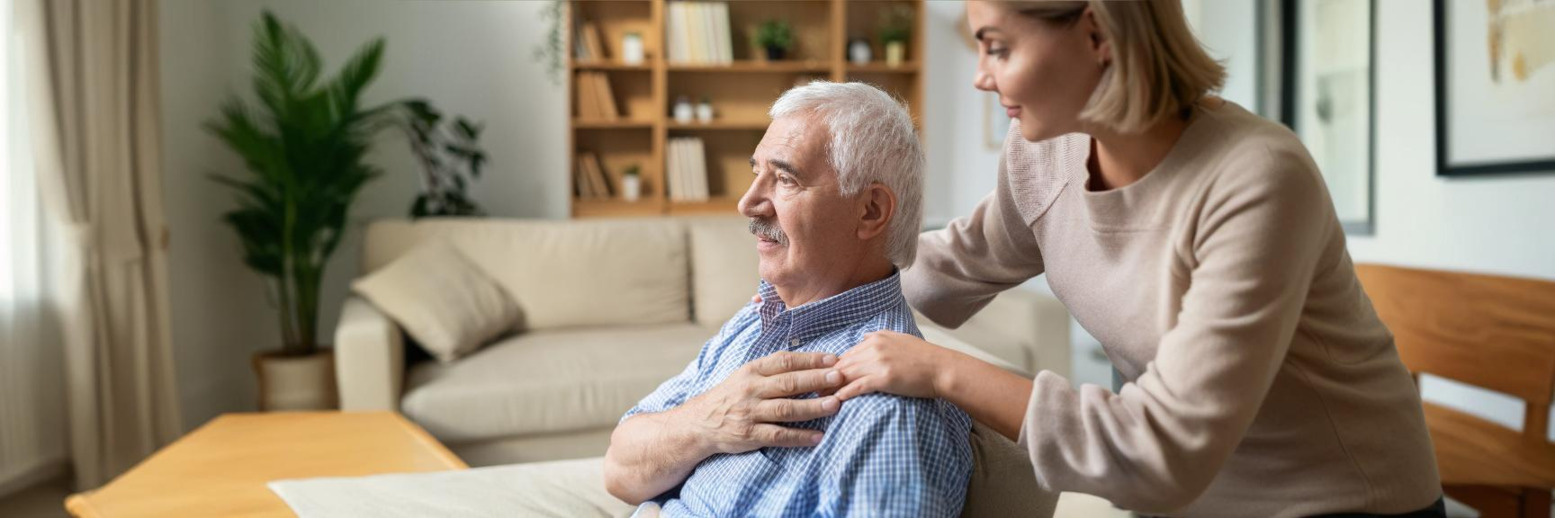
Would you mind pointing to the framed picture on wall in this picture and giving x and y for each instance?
(1328, 97)
(1495, 87)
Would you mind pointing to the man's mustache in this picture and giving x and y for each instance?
(768, 230)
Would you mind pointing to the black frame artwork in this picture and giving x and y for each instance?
(1444, 166)
(1290, 33)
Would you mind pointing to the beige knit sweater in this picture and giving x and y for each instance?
(1260, 380)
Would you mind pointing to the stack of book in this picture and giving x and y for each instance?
(687, 169)
(592, 180)
(595, 99)
(699, 33)
(588, 46)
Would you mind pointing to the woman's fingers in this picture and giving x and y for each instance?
(855, 389)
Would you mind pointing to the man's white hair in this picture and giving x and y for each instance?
(871, 139)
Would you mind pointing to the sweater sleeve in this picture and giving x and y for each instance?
(1156, 445)
(960, 268)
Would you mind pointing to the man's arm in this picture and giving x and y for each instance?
(651, 453)
(895, 456)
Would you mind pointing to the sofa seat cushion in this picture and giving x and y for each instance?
(548, 381)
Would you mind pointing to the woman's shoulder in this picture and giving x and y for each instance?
(1249, 151)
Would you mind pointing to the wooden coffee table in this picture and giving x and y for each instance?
(221, 468)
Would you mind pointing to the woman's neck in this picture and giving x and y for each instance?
(1121, 159)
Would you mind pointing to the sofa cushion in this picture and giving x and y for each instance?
(724, 268)
(548, 381)
(441, 299)
(562, 273)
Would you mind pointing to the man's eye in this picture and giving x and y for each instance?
(786, 179)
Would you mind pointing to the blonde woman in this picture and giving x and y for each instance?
(1198, 243)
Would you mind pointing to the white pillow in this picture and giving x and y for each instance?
(442, 299)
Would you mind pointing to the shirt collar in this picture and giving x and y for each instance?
(831, 313)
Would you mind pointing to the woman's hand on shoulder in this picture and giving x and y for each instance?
(893, 363)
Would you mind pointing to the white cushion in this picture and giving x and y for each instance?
(563, 273)
(724, 268)
(441, 299)
(548, 381)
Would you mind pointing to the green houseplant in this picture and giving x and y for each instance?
(450, 160)
(895, 31)
(303, 148)
(776, 37)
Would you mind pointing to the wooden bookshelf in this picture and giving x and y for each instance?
(741, 91)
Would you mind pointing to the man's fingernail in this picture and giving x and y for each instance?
(833, 378)
(828, 360)
(816, 439)
(829, 404)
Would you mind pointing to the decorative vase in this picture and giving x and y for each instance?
(632, 49)
(894, 52)
(775, 53)
(631, 187)
(683, 110)
(705, 112)
(859, 52)
(296, 382)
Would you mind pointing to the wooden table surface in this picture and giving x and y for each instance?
(221, 468)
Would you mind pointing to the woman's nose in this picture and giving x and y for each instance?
(983, 81)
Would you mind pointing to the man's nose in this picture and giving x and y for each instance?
(754, 204)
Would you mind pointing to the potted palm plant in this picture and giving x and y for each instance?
(303, 146)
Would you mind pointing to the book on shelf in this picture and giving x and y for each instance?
(607, 97)
(591, 178)
(699, 33)
(590, 47)
(687, 169)
(596, 100)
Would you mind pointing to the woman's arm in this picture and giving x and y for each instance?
(903, 364)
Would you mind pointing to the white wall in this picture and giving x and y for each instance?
(1493, 225)
(470, 58)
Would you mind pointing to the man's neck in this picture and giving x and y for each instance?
(795, 296)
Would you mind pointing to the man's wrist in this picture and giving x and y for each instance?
(685, 434)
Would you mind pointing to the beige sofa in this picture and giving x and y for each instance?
(610, 310)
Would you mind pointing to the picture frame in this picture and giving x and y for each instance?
(1494, 112)
(1328, 98)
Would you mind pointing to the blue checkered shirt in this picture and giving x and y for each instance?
(882, 455)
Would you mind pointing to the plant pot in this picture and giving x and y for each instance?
(775, 53)
(631, 187)
(894, 52)
(296, 382)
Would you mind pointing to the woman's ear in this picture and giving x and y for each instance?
(1101, 47)
(877, 205)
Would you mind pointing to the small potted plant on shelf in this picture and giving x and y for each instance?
(776, 37)
(895, 32)
(631, 183)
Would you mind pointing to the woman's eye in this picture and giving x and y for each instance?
(998, 52)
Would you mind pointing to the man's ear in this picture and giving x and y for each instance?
(877, 205)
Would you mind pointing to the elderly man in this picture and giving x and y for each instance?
(835, 206)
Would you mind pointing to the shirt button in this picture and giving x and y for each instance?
(794, 342)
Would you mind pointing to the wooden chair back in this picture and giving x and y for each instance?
(1492, 332)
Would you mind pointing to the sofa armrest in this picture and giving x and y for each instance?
(1036, 321)
(369, 358)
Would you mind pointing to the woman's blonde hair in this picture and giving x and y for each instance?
(1158, 68)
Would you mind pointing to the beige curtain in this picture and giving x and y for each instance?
(96, 137)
